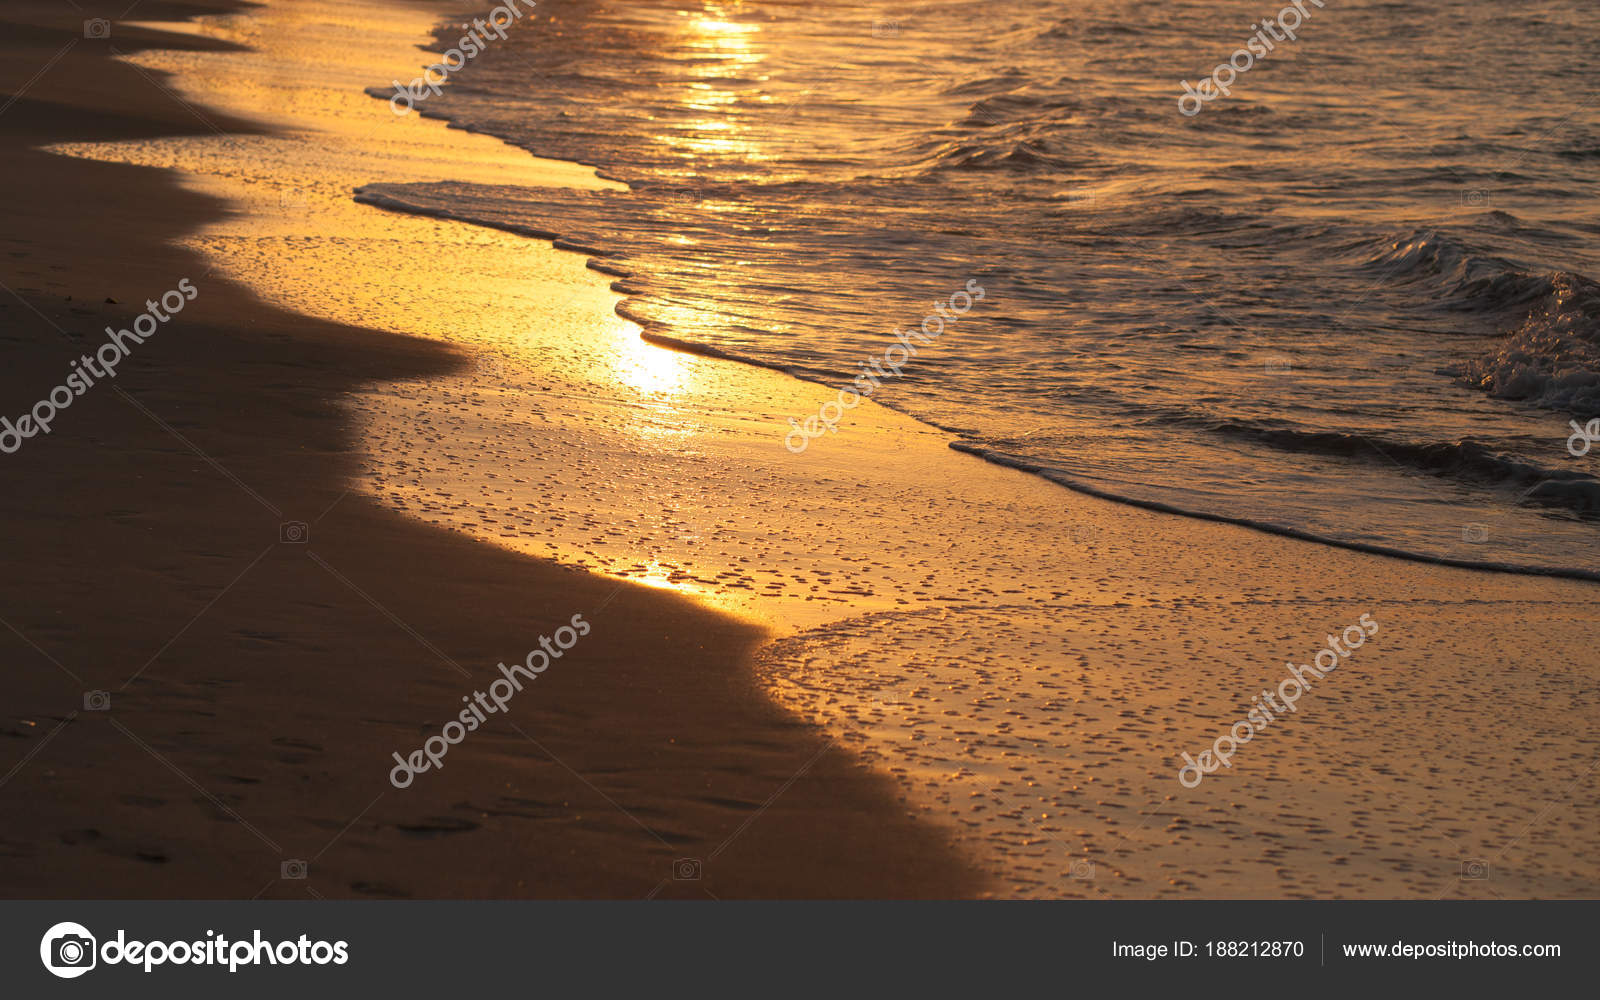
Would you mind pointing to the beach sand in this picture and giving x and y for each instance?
(1020, 666)
(257, 688)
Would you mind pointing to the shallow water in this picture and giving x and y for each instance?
(1350, 299)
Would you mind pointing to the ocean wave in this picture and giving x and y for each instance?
(1464, 279)
(1552, 359)
(1465, 460)
(1288, 531)
(1551, 355)
(1001, 152)
(1468, 280)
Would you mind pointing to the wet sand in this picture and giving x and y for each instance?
(257, 687)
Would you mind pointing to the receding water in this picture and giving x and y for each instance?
(1350, 299)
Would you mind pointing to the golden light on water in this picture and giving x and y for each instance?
(726, 58)
(654, 372)
(724, 44)
(668, 576)
(708, 26)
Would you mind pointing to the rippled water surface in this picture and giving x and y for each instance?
(1352, 299)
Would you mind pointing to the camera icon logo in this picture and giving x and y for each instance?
(97, 27)
(294, 533)
(1475, 869)
(293, 868)
(686, 870)
(1082, 868)
(1475, 199)
(97, 701)
(1475, 534)
(1081, 534)
(67, 950)
(1079, 197)
(886, 29)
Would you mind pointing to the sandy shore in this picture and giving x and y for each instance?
(1022, 666)
(257, 688)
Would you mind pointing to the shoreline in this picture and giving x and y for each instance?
(1017, 662)
(257, 684)
(660, 335)
(917, 596)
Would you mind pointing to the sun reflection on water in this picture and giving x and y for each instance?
(728, 61)
(651, 371)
